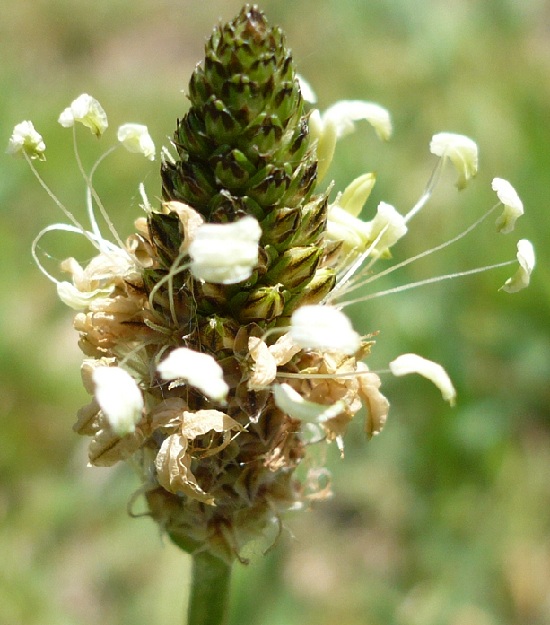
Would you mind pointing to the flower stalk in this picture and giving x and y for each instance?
(210, 590)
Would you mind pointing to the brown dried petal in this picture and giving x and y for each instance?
(173, 465)
(72, 266)
(167, 416)
(87, 369)
(87, 423)
(106, 449)
(118, 305)
(189, 218)
(102, 271)
(318, 484)
(377, 405)
(284, 349)
(141, 250)
(265, 366)
(140, 224)
(203, 421)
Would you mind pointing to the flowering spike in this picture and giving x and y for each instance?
(219, 298)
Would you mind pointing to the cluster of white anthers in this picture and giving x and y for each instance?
(228, 253)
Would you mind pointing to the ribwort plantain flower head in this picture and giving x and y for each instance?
(215, 336)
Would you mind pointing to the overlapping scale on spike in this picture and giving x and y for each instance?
(243, 148)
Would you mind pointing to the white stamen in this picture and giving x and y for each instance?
(136, 138)
(433, 371)
(460, 150)
(225, 253)
(87, 111)
(199, 370)
(119, 397)
(526, 258)
(513, 206)
(323, 327)
(25, 139)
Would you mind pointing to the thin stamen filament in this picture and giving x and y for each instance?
(146, 204)
(93, 193)
(355, 266)
(57, 227)
(413, 285)
(58, 202)
(354, 282)
(430, 186)
(358, 284)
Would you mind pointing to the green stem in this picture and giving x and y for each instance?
(209, 596)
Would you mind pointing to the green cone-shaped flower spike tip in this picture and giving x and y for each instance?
(244, 148)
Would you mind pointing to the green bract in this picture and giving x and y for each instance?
(244, 149)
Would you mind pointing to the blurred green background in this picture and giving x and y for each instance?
(441, 520)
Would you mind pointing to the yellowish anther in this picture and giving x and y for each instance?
(388, 226)
(225, 253)
(513, 206)
(119, 397)
(342, 226)
(461, 151)
(345, 113)
(433, 371)
(325, 133)
(26, 140)
(87, 111)
(324, 328)
(306, 90)
(338, 121)
(136, 138)
(381, 233)
(356, 194)
(197, 369)
(526, 259)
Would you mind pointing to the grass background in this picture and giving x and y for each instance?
(441, 520)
